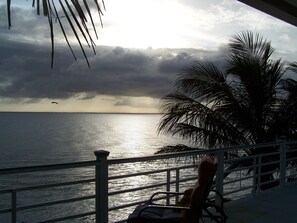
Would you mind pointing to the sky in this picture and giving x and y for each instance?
(141, 49)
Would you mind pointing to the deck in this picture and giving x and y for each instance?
(277, 205)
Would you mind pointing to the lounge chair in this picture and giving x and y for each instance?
(192, 207)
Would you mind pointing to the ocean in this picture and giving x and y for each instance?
(28, 139)
(48, 138)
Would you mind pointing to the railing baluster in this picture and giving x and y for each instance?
(255, 168)
(177, 185)
(13, 206)
(259, 173)
(168, 187)
(220, 175)
(282, 168)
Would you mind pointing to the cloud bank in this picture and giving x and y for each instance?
(114, 71)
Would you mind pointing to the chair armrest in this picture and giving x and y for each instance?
(165, 193)
(224, 200)
(217, 193)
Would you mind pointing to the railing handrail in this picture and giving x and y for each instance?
(199, 151)
(39, 168)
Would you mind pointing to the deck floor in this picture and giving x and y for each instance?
(278, 205)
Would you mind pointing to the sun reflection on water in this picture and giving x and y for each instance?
(134, 133)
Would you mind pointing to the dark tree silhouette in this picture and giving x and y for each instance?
(249, 102)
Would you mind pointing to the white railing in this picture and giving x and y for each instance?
(107, 190)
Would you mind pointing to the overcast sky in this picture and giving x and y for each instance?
(140, 51)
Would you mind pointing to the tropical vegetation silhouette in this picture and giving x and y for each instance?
(251, 101)
(74, 14)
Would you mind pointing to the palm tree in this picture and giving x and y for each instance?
(243, 104)
(74, 13)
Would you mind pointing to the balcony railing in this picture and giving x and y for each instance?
(107, 190)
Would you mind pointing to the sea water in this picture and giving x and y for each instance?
(49, 138)
(28, 139)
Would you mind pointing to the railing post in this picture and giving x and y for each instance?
(257, 170)
(101, 186)
(282, 169)
(220, 176)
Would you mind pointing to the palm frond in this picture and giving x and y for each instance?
(293, 67)
(8, 4)
(249, 46)
(76, 18)
(202, 80)
(284, 119)
(188, 118)
(174, 149)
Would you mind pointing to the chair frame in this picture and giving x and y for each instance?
(221, 217)
(207, 207)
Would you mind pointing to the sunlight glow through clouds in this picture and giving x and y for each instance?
(101, 103)
(152, 23)
(104, 103)
(174, 24)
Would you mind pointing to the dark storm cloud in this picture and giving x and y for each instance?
(172, 63)
(25, 66)
(132, 103)
(25, 72)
